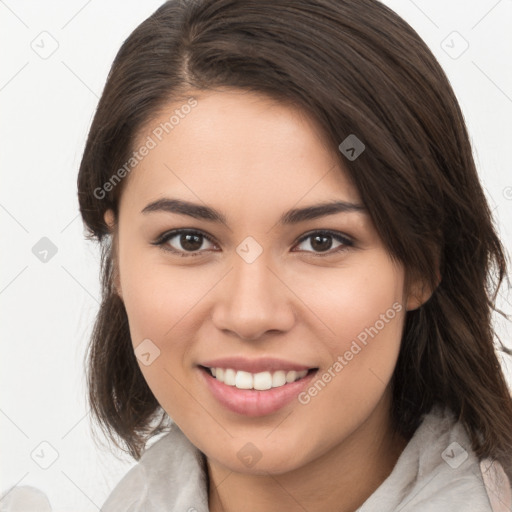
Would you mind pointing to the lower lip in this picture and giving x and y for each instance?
(251, 402)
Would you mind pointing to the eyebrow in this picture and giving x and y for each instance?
(293, 216)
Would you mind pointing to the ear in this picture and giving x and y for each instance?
(110, 220)
(419, 292)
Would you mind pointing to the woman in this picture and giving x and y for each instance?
(299, 267)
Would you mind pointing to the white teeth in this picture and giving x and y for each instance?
(291, 376)
(278, 379)
(230, 377)
(243, 380)
(262, 381)
(259, 381)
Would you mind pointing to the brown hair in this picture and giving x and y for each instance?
(357, 68)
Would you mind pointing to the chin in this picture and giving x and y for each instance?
(258, 457)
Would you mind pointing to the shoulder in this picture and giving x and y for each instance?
(169, 476)
(438, 471)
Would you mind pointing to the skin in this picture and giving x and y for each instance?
(253, 159)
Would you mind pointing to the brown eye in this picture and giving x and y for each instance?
(322, 242)
(185, 242)
(190, 242)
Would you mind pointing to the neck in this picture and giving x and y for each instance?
(341, 479)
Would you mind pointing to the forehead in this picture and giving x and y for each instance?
(236, 147)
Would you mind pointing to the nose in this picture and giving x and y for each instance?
(253, 301)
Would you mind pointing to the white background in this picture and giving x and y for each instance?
(47, 309)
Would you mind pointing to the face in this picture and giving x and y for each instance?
(221, 273)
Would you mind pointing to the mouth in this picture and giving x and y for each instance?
(254, 387)
(261, 381)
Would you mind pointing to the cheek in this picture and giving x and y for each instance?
(161, 303)
(354, 302)
(362, 312)
(158, 297)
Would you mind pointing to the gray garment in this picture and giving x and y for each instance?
(436, 472)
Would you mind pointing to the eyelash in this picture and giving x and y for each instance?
(169, 235)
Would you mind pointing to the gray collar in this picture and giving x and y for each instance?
(437, 472)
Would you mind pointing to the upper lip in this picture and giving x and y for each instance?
(254, 365)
